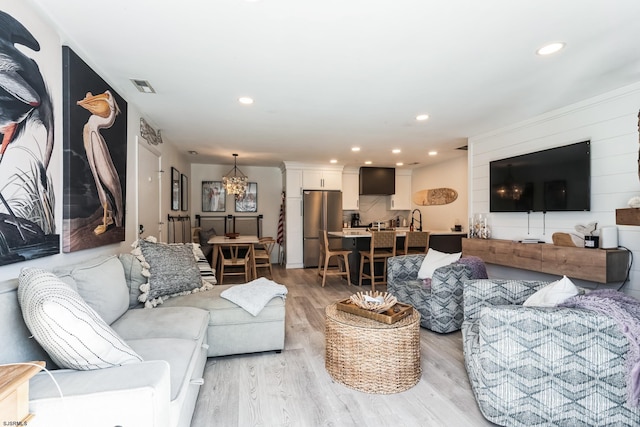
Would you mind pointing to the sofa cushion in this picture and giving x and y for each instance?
(165, 322)
(134, 276)
(553, 294)
(102, 285)
(434, 260)
(171, 268)
(69, 330)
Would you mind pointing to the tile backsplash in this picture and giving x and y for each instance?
(376, 208)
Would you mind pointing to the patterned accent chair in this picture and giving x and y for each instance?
(440, 301)
(533, 366)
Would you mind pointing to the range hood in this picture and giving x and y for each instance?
(377, 181)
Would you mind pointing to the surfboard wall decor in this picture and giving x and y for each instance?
(435, 196)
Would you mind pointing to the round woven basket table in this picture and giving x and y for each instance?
(371, 356)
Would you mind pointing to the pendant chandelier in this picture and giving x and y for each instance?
(235, 182)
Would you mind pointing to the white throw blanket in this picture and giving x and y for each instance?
(253, 296)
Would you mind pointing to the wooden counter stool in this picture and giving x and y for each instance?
(415, 242)
(383, 246)
(326, 254)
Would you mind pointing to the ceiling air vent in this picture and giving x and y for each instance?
(143, 86)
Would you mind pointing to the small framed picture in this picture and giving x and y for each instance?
(184, 192)
(213, 196)
(175, 189)
(248, 202)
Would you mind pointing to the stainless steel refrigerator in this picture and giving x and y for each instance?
(321, 210)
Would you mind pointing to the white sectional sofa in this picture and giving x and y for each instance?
(173, 340)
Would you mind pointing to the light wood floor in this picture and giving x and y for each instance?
(294, 389)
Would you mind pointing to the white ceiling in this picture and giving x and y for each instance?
(327, 75)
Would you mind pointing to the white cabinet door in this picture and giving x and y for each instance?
(350, 191)
(332, 180)
(401, 201)
(293, 232)
(293, 182)
(316, 179)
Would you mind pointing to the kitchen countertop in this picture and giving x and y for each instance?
(400, 232)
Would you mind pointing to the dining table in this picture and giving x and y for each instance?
(248, 240)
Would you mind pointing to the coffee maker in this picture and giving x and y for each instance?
(355, 220)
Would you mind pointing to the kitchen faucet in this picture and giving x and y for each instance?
(419, 219)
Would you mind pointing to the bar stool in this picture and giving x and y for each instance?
(326, 254)
(415, 242)
(383, 246)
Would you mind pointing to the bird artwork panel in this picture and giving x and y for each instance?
(27, 194)
(95, 155)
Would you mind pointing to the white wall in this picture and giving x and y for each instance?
(49, 59)
(448, 174)
(269, 181)
(610, 121)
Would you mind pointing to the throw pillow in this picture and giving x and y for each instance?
(171, 268)
(553, 294)
(434, 260)
(204, 236)
(206, 272)
(71, 332)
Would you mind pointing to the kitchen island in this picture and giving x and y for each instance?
(358, 239)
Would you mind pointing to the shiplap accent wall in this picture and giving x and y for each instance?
(610, 122)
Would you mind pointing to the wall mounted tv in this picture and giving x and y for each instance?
(557, 179)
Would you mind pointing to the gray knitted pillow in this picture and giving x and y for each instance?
(171, 269)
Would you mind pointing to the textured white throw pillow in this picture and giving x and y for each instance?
(434, 260)
(553, 294)
(70, 331)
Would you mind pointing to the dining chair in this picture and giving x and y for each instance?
(415, 242)
(326, 254)
(236, 258)
(382, 247)
(262, 253)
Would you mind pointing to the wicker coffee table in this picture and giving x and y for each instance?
(372, 356)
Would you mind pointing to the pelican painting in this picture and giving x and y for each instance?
(103, 109)
(95, 153)
(27, 201)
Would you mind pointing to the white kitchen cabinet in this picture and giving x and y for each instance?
(319, 179)
(350, 191)
(401, 201)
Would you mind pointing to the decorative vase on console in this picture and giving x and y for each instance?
(479, 227)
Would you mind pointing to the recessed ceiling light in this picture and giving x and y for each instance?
(433, 153)
(550, 48)
(355, 148)
(422, 117)
(245, 100)
(399, 164)
(333, 161)
(368, 162)
(395, 150)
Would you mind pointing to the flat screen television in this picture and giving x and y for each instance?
(557, 179)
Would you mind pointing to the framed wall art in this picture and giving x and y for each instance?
(27, 194)
(175, 189)
(184, 192)
(213, 196)
(95, 157)
(248, 202)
